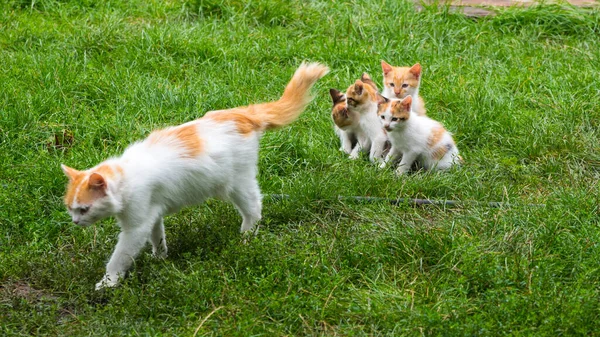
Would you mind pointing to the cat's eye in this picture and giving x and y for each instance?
(392, 85)
(404, 85)
(394, 119)
(84, 210)
(382, 117)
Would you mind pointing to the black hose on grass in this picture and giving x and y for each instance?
(415, 202)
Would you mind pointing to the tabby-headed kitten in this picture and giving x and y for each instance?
(415, 138)
(399, 82)
(362, 98)
(214, 156)
(352, 137)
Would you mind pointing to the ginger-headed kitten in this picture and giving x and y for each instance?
(214, 156)
(416, 138)
(362, 98)
(352, 138)
(399, 82)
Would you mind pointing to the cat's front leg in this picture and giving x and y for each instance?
(131, 241)
(355, 153)
(376, 153)
(346, 141)
(390, 157)
(158, 240)
(408, 158)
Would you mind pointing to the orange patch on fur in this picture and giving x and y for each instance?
(359, 93)
(367, 80)
(439, 152)
(436, 135)
(243, 118)
(74, 182)
(186, 135)
(341, 116)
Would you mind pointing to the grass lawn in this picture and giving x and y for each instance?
(82, 79)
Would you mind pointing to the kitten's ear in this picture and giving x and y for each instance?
(97, 182)
(336, 96)
(367, 80)
(381, 99)
(406, 103)
(416, 70)
(71, 173)
(358, 87)
(385, 67)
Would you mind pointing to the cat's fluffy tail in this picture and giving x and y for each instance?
(296, 97)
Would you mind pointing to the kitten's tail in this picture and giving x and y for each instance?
(296, 97)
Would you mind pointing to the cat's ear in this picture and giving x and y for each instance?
(358, 87)
(336, 96)
(97, 181)
(381, 99)
(405, 103)
(416, 70)
(386, 67)
(71, 173)
(367, 80)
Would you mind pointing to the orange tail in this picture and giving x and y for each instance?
(294, 100)
(266, 116)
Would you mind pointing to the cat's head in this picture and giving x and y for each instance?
(339, 113)
(360, 94)
(88, 197)
(393, 113)
(400, 82)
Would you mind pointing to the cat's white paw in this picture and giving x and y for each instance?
(382, 165)
(107, 282)
(160, 253)
(354, 155)
(401, 171)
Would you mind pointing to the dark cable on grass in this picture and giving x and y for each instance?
(415, 202)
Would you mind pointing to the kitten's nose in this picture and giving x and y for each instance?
(76, 221)
(397, 93)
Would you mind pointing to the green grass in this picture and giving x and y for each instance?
(82, 79)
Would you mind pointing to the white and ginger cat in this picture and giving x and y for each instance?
(399, 82)
(214, 156)
(361, 98)
(346, 125)
(416, 138)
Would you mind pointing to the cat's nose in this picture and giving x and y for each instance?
(76, 221)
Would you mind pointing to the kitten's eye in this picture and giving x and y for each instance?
(382, 117)
(394, 119)
(392, 85)
(84, 210)
(404, 85)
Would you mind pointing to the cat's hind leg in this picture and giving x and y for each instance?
(247, 199)
(158, 240)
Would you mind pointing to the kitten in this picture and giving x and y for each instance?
(399, 82)
(416, 138)
(352, 138)
(214, 156)
(362, 98)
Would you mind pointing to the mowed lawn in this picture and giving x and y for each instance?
(82, 79)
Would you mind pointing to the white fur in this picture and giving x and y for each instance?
(353, 139)
(410, 140)
(368, 124)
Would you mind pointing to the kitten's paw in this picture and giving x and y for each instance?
(107, 282)
(401, 171)
(382, 165)
(354, 156)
